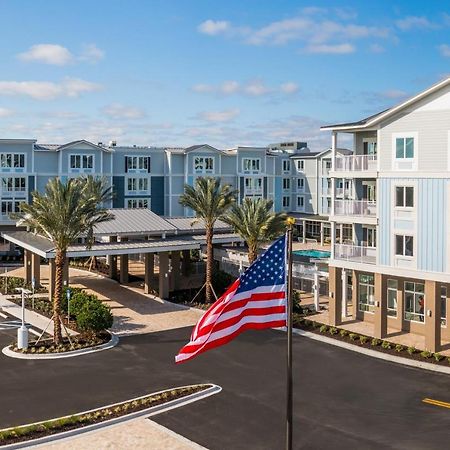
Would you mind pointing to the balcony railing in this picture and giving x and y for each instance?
(356, 163)
(364, 208)
(355, 253)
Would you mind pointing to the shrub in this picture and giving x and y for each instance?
(323, 329)
(343, 333)
(399, 348)
(94, 316)
(353, 336)
(411, 350)
(375, 342)
(333, 330)
(426, 354)
(307, 322)
(363, 339)
(438, 357)
(386, 345)
(296, 306)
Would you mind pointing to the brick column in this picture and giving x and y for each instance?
(149, 264)
(432, 316)
(163, 275)
(380, 310)
(27, 265)
(335, 288)
(175, 275)
(36, 268)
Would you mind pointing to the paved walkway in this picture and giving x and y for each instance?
(134, 312)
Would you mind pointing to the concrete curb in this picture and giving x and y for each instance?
(149, 412)
(374, 353)
(84, 351)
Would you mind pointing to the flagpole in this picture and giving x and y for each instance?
(289, 425)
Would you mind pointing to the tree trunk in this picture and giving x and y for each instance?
(209, 263)
(252, 253)
(60, 260)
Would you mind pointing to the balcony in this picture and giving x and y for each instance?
(364, 208)
(356, 163)
(355, 253)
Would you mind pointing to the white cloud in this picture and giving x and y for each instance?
(256, 88)
(376, 48)
(4, 112)
(445, 50)
(394, 94)
(203, 88)
(48, 90)
(338, 49)
(48, 54)
(91, 53)
(229, 87)
(219, 116)
(213, 27)
(118, 111)
(289, 87)
(414, 22)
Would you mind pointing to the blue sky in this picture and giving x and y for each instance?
(182, 72)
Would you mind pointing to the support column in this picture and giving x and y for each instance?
(163, 275)
(432, 314)
(112, 261)
(149, 263)
(380, 317)
(341, 233)
(316, 291)
(304, 231)
(344, 293)
(185, 262)
(27, 266)
(335, 305)
(321, 233)
(355, 295)
(123, 276)
(175, 275)
(36, 268)
(51, 278)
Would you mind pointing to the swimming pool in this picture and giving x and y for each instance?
(312, 253)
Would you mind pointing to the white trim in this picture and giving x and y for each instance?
(81, 170)
(397, 163)
(204, 171)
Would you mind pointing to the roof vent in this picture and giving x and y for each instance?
(100, 144)
(112, 143)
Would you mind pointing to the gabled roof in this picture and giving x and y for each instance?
(383, 115)
(193, 148)
(58, 147)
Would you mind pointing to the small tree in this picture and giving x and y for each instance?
(256, 223)
(63, 213)
(210, 201)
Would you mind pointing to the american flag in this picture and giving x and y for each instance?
(256, 300)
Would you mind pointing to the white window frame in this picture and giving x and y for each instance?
(14, 207)
(404, 237)
(404, 207)
(288, 197)
(444, 301)
(13, 191)
(82, 168)
(202, 160)
(413, 315)
(370, 305)
(251, 170)
(392, 312)
(137, 180)
(301, 188)
(300, 207)
(288, 163)
(134, 163)
(251, 187)
(405, 164)
(137, 200)
(12, 155)
(300, 165)
(286, 180)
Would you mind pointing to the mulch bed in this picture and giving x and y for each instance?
(54, 426)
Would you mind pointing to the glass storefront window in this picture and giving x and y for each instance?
(392, 287)
(414, 301)
(366, 293)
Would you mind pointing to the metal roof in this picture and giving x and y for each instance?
(134, 222)
(189, 224)
(313, 217)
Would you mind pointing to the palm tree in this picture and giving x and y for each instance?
(63, 213)
(210, 201)
(255, 222)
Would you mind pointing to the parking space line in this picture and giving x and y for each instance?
(440, 403)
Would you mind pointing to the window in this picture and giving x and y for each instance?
(286, 165)
(300, 165)
(366, 293)
(253, 185)
(300, 202)
(137, 184)
(328, 164)
(286, 202)
(404, 245)
(10, 206)
(85, 162)
(404, 148)
(443, 306)
(286, 184)
(133, 203)
(11, 184)
(12, 160)
(404, 196)
(370, 236)
(203, 164)
(137, 163)
(300, 184)
(392, 287)
(369, 147)
(414, 301)
(251, 165)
